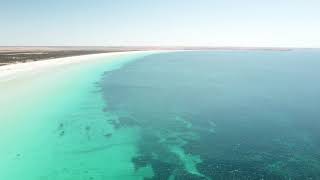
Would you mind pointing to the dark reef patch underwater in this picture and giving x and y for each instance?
(221, 114)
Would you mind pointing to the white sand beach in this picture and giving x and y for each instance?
(12, 71)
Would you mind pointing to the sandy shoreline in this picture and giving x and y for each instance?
(11, 71)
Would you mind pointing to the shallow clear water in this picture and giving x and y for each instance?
(53, 125)
(178, 115)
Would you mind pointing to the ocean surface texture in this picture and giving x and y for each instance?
(192, 115)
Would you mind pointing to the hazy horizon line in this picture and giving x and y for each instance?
(166, 46)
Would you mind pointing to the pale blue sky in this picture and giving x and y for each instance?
(278, 23)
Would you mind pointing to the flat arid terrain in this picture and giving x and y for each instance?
(15, 54)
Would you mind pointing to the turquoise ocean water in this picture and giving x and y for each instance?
(178, 115)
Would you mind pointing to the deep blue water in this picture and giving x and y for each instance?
(222, 114)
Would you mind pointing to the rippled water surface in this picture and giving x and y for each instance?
(222, 115)
(158, 116)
